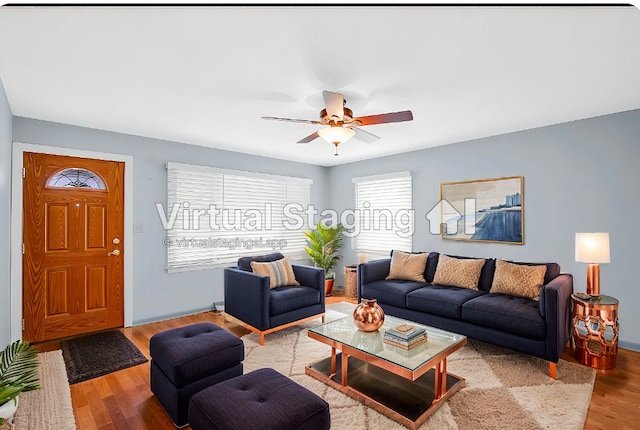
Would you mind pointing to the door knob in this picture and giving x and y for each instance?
(114, 252)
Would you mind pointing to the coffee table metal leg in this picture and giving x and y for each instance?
(333, 361)
(440, 380)
(444, 378)
(437, 381)
(344, 364)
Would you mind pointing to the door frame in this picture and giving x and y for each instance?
(16, 225)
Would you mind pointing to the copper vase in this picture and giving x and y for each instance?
(368, 315)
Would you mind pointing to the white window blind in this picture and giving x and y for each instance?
(216, 215)
(386, 215)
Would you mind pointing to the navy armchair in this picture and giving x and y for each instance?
(251, 302)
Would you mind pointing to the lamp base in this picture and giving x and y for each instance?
(593, 280)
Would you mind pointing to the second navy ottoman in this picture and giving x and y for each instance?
(188, 359)
(263, 399)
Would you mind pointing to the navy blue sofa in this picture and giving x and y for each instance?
(249, 300)
(539, 328)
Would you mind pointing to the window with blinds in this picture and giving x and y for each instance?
(214, 216)
(386, 214)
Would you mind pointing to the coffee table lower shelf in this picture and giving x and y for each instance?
(408, 402)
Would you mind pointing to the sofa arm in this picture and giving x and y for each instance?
(375, 270)
(555, 307)
(246, 297)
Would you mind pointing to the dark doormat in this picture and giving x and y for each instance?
(88, 357)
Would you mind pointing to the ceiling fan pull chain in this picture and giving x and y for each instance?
(336, 144)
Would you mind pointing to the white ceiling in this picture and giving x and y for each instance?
(205, 75)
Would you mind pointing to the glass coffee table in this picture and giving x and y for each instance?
(405, 385)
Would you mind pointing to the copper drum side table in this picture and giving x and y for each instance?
(595, 331)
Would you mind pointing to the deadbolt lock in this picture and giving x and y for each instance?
(116, 241)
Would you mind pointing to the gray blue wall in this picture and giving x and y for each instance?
(5, 215)
(156, 293)
(579, 176)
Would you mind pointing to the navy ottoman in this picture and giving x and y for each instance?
(188, 359)
(263, 399)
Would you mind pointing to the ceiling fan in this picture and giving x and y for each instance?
(342, 126)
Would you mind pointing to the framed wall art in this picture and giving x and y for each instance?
(484, 210)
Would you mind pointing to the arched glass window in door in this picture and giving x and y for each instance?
(76, 178)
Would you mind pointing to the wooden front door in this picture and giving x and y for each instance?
(73, 225)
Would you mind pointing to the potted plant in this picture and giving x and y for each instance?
(323, 247)
(18, 373)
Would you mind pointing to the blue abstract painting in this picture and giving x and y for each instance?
(488, 210)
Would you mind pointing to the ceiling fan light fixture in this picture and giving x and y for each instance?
(336, 134)
(336, 115)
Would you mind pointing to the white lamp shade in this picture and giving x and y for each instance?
(592, 248)
(336, 134)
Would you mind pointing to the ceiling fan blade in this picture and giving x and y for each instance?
(334, 103)
(364, 136)
(312, 136)
(306, 121)
(383, 118)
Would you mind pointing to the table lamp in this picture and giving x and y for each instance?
(592, 248)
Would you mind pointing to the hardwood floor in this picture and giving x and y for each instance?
(123, 400)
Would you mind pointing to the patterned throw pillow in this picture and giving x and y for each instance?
(280, 272)
(407, 266)
(518, 279)
(458, 272)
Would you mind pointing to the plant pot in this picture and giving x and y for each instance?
(8, 410)
(328, 286)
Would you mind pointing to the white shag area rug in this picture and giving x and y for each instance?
(504, 389)
(48, 408)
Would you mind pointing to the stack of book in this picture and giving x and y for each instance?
(405, 336)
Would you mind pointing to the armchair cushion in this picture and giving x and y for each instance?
(244, 263)
(290, 298)
(280, 272)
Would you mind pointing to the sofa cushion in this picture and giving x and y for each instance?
(280, 272)
(244, 263)
(518, 279)
(392, 292)
(458, 272)
(510, 314)
(289, 298)
(432, 265)
(553, 269)
(407, 266)
(486, 275)
(441, 300)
